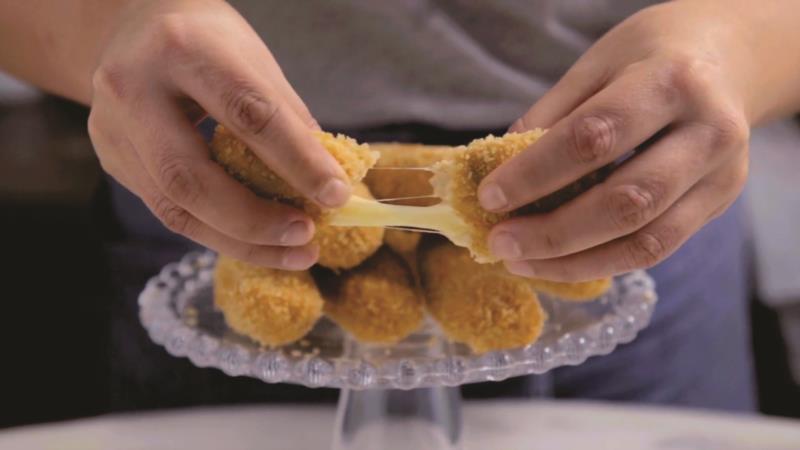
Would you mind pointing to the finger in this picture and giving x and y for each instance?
(177, 160)
(607, 126)
(181, 221)
(269, 68)
(587, 76)
(116, 154)
(252, 108)
(646, 247)
(633, 196)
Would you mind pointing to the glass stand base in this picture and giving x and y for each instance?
(389, 419)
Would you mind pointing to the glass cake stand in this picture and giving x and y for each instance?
(399, 396)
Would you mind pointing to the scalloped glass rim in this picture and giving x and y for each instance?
(170, 301)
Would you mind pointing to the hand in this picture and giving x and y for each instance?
(681, 69)
(167, 63)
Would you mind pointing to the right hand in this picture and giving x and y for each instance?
(167, 63)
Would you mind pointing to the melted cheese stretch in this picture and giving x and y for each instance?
(361, 212)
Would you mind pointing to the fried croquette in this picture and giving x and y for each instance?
(273, 307)
(456, 182)
(476, 305)
(339, 248)
(402, 242)
(377, 302)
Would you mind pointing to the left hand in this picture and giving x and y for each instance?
(679, 68)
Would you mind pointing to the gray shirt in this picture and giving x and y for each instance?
(452, 63)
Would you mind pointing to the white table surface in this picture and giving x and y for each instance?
(531, 425)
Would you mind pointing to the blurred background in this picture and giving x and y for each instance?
(56, 297)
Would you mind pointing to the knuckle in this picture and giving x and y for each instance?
(175, 218)
(648, 248)
(687, 74)
(248, 110)
(631, 206)
(728, 130)
(592, 138)
(179, 181)
(111, 80)
(172, 35)
(520, 125)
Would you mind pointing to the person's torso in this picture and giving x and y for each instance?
(451, 63)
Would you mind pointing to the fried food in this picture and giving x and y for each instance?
(273, 307)
(406, 184)
(339, 248)
(455, 182)
(581, 291)
(376, 302)
(402, 242)
(477, 305)
(346, 247)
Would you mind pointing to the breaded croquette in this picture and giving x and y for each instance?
(406, 184)
(578, 292)
(402, 242)
(345, 248)
(475, 304)
(376, 302)
(339, 248)
(356, 159)
(273, 307)
(456, 182)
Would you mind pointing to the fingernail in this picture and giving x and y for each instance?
(296, 233)
(492, 197)
(297, 259)
(505, 246)
(334, 193)
(520, 268)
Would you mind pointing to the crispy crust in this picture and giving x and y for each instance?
(456, 182)
(340, 248)
(376, 302)
(273, 307)
(475, 304)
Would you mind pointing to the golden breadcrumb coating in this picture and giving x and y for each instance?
(475, 304)
(339, 248)
(402, 242)
(376, 302)
(273, 307)
(581, 291)
(456, 182)
(391, 184)
(356, 159)
(347, 247)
